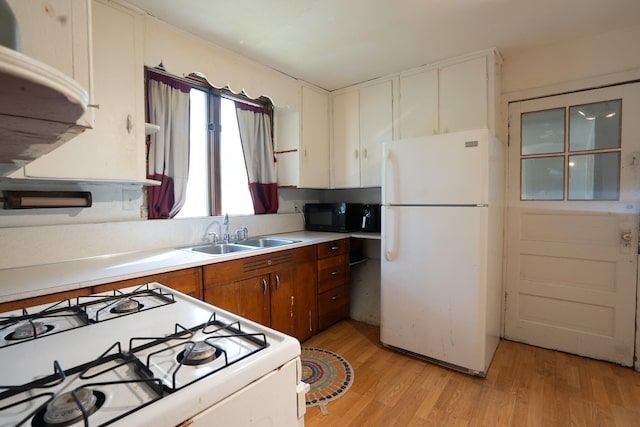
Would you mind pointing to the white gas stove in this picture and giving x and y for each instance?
(145, 355)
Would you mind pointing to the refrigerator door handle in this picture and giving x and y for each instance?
(390, 233)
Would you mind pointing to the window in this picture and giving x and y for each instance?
(217, 182)
(582, 163)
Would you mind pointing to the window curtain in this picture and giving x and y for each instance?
(168, 151)
(254, 124)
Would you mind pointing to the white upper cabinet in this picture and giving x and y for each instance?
(58, 33)
(376, 126)
(463, 99)
(346, 139)
(314, 163)
(455, 95)
(418, 105)
(115, 149)
(302, 141)
(362, 120)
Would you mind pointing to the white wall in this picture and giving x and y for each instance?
(583, 63)
(573, 64)
(182, 53)
(23, 246)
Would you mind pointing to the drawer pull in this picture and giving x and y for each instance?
(334, 298)
(335, 248)
(333, 273)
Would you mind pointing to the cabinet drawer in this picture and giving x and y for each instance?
(332, 272)
(333, 305)
(333, 248)
(244, 268)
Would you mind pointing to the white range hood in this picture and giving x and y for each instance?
(39, 107)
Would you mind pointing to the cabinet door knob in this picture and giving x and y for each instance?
(364, 153)
(356, 153)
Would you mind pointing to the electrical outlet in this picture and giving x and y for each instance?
(129, 198)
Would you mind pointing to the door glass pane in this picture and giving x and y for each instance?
(543, 132)
(542, 178)
(594, 126)
(594, 176)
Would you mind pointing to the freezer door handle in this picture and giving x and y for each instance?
(389, 177)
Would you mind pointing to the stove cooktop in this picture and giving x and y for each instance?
(125, 350)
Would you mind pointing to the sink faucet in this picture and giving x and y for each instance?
(213, 234)
(242, 231)
(225, 237)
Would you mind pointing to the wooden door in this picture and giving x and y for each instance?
(253, 299)
(248, 298)
(572, 235)
(293, 297)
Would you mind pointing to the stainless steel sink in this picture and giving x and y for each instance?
(267, 242)
(221, 248)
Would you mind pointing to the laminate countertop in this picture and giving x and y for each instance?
(32, 281)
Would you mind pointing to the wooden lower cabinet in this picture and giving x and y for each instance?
(248, 298)
(277, 289)
(187, 281)
(43, 299)
(333, 282)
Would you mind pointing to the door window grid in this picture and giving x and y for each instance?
(583, 140)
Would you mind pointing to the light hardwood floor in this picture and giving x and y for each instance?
(525, 386)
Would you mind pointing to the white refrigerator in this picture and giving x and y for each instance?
(442, 230)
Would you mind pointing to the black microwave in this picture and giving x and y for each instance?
(337, 217)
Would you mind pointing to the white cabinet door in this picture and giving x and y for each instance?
(57, 32)
(376, 127)
(463, 95)
(114, 149)
(314, 156)
(286, 129)
(418, 115)
(346, 140)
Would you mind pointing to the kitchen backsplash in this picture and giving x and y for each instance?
(33, 245)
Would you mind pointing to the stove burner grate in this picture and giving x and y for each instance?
(101, 307)
(55, 318)
(198, 352)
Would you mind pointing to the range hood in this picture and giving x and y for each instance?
(39, 108)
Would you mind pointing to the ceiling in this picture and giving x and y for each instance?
(337, 43)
